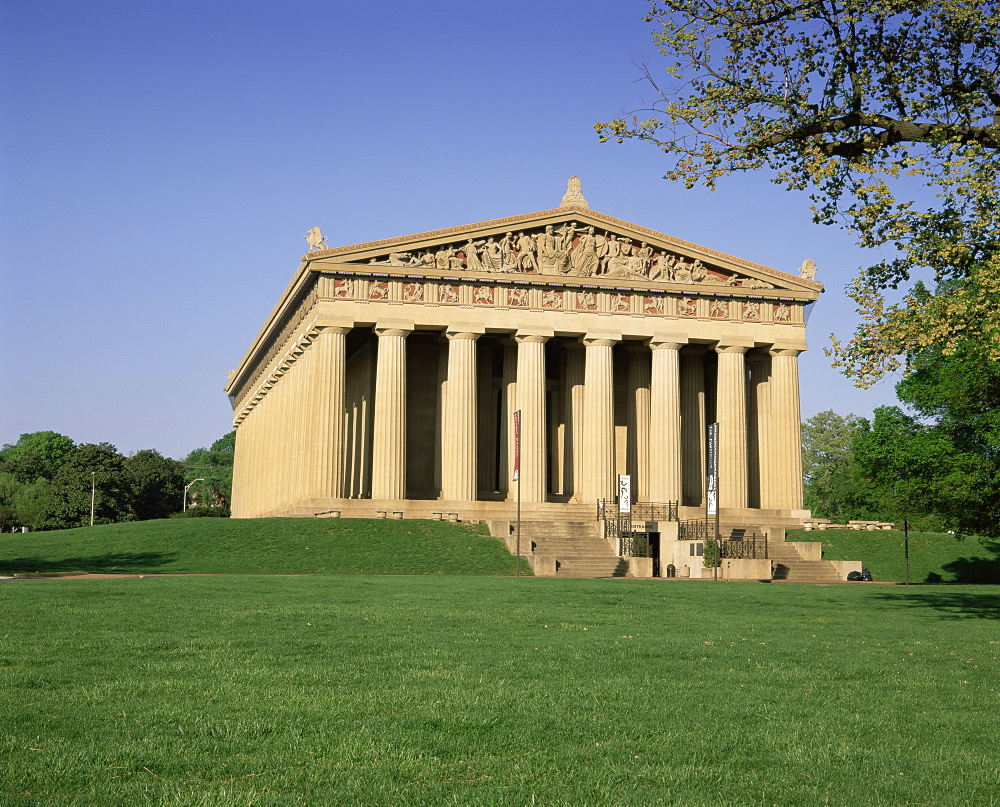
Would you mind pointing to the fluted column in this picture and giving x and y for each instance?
(389, 437)
(599, 420)
(508, 387)
(638, 446)
(241, 452)
(785, 445)
(731, 414)
(531, 402)
(758, 428)
(459, 457)
(486, 415)
(326, 432)
(665, 480)
(693, 427)
(573, 404)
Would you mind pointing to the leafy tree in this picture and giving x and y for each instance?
(24, 505)
(114, 499)
(215, 466)
(833, 487)
(858, 103)
(949, 463)
(157, 484)
(36, 455)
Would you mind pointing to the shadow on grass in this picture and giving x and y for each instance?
(953, 604)
(111, 563)
(976, 569)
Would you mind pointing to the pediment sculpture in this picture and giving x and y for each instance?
(571, 249)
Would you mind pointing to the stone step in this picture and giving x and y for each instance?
(589, 566)
(779, 551)
(806, 571)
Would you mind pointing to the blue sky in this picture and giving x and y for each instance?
(162, 161)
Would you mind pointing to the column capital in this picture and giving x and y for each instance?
(663, 343)
(392, 330)
(462, 335)
(785, 351)
(600, 340)
(724, 348)
(334, 329)
(521, 338)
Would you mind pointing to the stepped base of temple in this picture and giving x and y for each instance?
(566, 539)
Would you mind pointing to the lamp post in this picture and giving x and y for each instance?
(93, 485)
(187, 487)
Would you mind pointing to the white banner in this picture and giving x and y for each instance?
(624, 493)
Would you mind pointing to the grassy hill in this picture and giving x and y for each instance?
(934, 557)
(261, 546)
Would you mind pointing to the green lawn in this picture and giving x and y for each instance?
(934, 557)
(352, 689)
(261, 546)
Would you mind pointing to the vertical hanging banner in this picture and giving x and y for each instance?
(624, 493)
(713, 469)
(517, 445)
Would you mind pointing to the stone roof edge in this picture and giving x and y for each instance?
(561, 212)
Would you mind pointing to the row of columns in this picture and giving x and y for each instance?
(313, 442)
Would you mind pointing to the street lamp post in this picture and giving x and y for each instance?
(93, 485)
(187, 487)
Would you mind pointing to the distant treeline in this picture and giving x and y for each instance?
(49, 482)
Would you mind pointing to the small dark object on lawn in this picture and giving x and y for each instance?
(866, 576)
(854, 576)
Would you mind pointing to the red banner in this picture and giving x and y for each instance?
(517, 445)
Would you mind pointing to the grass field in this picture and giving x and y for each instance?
(487, 690)
(934, 557)
(409, 667)
(261, 546)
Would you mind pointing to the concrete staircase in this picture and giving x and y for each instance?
(577, 547)
(789, 565)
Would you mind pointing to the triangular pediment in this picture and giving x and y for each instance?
(567, 242)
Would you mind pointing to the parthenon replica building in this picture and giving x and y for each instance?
(387, 376)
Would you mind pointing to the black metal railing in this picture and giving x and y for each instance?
(654, 511)
(618, 526)
(640, 511)
(694, 530)
(747, 546)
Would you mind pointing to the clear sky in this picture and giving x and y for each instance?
(162, 160)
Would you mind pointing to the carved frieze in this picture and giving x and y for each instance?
(621, 301)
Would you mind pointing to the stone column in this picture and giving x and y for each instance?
(531, 402)
(599, 420)
(459, 458)
(731, 414)
(693, 427)
(237, 495)
(487, 415)
(575, 450)
(785, 444)
(758, 428)
(326, 435)
(665, 482)
(638, 446)
(389, 437)
(508, 394)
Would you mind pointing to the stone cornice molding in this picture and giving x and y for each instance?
(582, 216)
